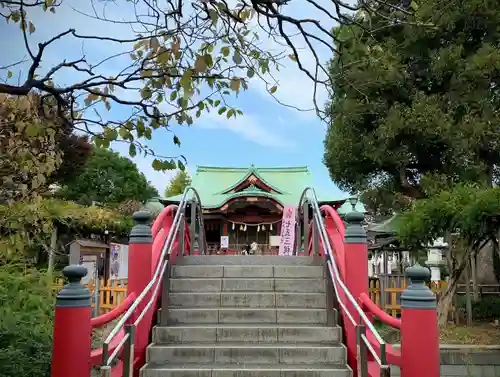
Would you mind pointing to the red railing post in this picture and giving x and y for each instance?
(356, 271)
(72, 340)
(419, 329)
(140, 272)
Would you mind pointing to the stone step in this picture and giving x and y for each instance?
(247, 299)
(241, 260)
(309, 285)
(242, 370)
(244, 315)
(248, 333)
(251, 271)
(244, 353)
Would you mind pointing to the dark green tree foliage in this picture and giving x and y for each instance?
(108, 178)
(469, 212)
(415, 104)
(76, 150)
(178, 184)
(25, 323)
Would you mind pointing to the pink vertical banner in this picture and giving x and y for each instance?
(287, 231)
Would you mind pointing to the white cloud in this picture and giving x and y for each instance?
(249, 127)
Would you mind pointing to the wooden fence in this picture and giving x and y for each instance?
(109, 295)
(391, 303)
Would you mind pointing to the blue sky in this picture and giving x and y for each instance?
(267, 135)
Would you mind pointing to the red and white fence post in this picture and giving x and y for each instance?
(72, 341)
(419, 329)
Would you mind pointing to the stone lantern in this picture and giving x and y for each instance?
(435, 258)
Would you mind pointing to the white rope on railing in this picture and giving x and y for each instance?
(337, 280)
(159, 271)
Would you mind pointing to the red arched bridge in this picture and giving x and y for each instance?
(189, 314)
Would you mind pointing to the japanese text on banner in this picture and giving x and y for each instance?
(287, 231)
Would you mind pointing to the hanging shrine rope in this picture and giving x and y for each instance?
(260, 226)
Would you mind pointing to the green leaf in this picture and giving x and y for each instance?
(208, 60)
(180, 165)
(273, 89)
(173, 95)
(9, 74)
(237, 59)
(32, 130)
(186, 81)
(222, 110)
(183, 102)
(250, 73)
(132, 151)
(177, 141)
(213, 16)
(146, 93)
(225, 51)
(157, 164)
(124, 133)
(230, 113)
(110, 133)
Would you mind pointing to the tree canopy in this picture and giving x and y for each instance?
(470, 213)
(163, 63)
(415, 107)
(37, 148)
(108, 178)
(178, 183)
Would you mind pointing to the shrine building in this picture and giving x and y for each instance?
(246, 204)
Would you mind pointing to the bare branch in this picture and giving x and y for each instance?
(174, 60)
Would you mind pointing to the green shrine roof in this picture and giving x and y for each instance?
(388, 226)
(218, 185)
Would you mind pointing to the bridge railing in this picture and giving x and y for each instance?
(151, 251)
(347, 262)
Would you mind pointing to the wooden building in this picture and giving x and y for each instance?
(246, 204)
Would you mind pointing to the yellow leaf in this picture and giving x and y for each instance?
(273, 89)
(235, 84)
(163, 56)
(292, 57)
(176, 46)
(200, 65)
(32, 27)
(154, 43)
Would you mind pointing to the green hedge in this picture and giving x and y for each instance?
(26, 323)
(486, 309)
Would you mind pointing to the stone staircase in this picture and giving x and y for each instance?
(247, 316)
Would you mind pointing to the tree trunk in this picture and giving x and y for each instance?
(473, 270)
(446, 299)
(468, 300)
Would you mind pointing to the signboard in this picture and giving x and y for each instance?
(118, 263)
(287, 231)
(89, 262)
(274, 240)
(224, 242)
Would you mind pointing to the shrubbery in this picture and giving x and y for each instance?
(486, 309)
(26, 322)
